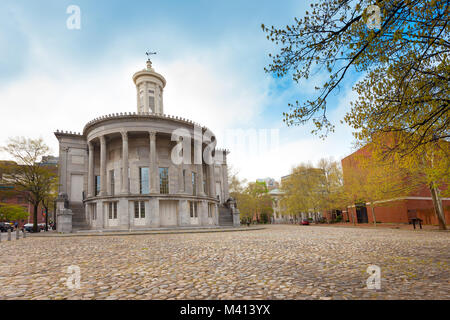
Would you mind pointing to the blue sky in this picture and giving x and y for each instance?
(212, 54)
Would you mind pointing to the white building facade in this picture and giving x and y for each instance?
(120, 173)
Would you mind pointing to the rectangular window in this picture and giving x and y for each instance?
(194, 183)
(144, 186)
(139, 209)
(112, 210)
(184, 179)
(193, 209)
(112, 178)
(97, 185)
(164, 180)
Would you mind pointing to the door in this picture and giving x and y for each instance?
(361, 214)
(168, 211)
(76, 188)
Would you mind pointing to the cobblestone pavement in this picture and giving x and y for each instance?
(280, 262)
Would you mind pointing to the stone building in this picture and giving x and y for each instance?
(120, 172)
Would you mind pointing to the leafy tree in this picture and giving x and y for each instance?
(304, 190)
(332, 182)
(12, 212)
(27, 175)
(252, 199)
(405, 63)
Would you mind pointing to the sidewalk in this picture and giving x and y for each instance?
(100, 233)
(401, 226)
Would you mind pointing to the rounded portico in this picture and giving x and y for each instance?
(133, 177)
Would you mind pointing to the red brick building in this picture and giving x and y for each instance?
(9, 196)
(417, 203)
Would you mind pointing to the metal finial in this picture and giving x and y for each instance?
(149, 62)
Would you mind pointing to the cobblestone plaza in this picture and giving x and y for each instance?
(278, 262)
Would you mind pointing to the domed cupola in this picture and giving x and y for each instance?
(150, 89)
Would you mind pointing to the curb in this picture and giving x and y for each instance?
(139, 233)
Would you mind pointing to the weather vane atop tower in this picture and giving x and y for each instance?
(149, 62)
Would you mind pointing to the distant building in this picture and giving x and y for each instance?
(270, 183)
(396, 210)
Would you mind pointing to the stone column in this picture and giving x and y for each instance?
(200, 190)
(180, 179)
(102, 166)
(212, 181)
(153, 168)
(125, 165)
(146, 106)
(138, 99)
(157, 103)
(91, 185)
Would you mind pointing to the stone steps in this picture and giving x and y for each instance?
(225, 216)
(79, 217)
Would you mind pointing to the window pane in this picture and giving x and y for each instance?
(194, 184)
(142, 209)
(164, 180)
(151, 104)
(97, 185)
(136, 210)
(110, 210)
(112, 178)
(144, 180)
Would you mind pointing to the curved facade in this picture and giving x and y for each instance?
(124, 171)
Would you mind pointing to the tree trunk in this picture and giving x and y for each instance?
(46, 218)
(373, 215)
(35, 217)
(438, 209)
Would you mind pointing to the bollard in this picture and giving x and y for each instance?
(24, 233)
(17, 234)
(9, 234)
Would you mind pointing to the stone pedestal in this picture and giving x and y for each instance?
(64, 220)
(236, 218)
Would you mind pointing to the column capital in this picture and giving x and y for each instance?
(124, 134)
(152, 134)
(102, 139)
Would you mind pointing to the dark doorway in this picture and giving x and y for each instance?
(361, 213)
